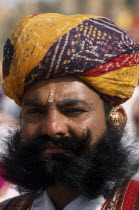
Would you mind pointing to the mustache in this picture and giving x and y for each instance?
(76, 144)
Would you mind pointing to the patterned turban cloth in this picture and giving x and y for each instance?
(93, 48)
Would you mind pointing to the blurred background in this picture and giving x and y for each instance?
(124, 12)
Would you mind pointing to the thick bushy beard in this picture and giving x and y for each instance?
(89, 170)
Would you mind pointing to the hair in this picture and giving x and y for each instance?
(89, 170)
(107, 108)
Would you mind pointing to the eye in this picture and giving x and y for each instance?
(73, 111)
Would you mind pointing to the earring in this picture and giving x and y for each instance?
(50, 97)
(114, 117)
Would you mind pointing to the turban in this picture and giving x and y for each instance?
(52, 45)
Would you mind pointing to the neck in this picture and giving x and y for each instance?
(61, 195)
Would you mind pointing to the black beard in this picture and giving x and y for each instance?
(89, 170)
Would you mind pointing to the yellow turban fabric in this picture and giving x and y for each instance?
(90, 47)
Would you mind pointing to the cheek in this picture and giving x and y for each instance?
(97, 126)
(28, 130)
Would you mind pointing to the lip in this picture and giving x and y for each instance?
(55, 149)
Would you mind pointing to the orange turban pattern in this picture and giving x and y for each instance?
(93, 48)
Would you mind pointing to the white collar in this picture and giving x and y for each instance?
(43, 202)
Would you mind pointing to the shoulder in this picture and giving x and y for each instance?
(127, 197)
(22, 201)
(132, 186)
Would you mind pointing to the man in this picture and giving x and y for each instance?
(70, 74)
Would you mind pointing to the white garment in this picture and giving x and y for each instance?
(44, 203)
(10, 193)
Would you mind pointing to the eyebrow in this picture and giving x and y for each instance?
(72, 102)
(32, 102)
(65, 102)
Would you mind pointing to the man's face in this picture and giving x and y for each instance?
(75, 109)
(66, 141)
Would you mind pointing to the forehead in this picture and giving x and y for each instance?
(61, 88)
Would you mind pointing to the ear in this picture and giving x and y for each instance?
(122, 116)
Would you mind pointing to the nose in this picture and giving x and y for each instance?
(54, 125)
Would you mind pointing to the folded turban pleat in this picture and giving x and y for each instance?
(93, 48)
